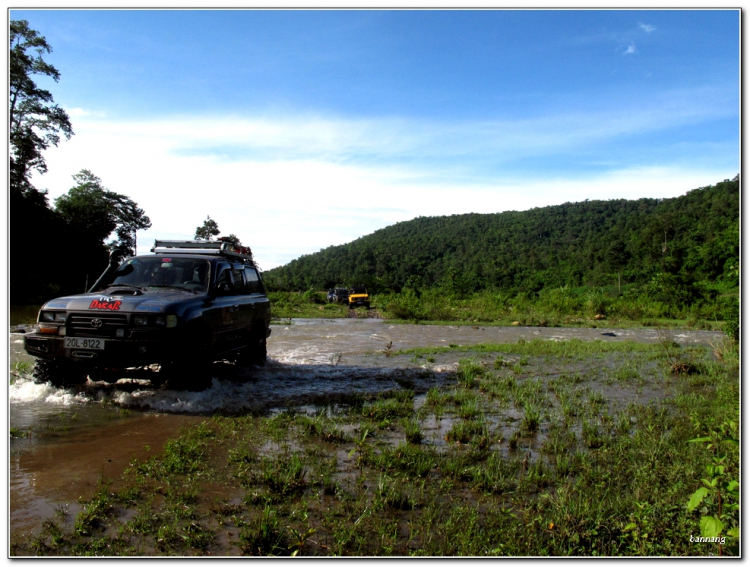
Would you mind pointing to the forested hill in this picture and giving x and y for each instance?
(695, 236)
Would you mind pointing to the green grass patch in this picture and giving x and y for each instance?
(573, 348)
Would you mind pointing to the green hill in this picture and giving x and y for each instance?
(694, 237)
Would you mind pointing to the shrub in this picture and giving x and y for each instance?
(732, 321)
(311, 296)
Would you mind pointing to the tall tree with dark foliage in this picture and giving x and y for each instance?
(91, 208)
(71, 240)
(35, 121)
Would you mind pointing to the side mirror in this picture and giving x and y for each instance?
(115, 258)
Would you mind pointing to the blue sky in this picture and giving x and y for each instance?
(297, 130)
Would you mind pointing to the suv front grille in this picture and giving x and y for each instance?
(80, 324)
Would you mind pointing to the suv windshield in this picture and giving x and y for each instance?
(186, 273)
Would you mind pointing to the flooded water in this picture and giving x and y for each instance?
(64, 440)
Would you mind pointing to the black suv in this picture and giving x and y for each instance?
(338, 295)
(188, 304)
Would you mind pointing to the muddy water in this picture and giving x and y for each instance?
(66, 439)
(70, 458)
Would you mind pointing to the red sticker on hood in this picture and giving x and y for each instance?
(104, 304)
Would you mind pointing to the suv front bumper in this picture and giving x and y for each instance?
(116, 352)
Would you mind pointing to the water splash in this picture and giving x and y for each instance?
(25, 390)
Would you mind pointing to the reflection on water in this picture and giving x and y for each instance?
(66, 439)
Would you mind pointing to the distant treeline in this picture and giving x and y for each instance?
(675, 242)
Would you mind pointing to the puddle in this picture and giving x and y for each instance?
(68, 458)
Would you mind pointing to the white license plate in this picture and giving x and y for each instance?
(80, 342)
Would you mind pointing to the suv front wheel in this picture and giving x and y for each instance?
(191, 370)
(255, 352)
(59, 373)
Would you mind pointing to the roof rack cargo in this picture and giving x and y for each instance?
(213, 247)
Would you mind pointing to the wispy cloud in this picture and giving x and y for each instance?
(285, 188)
(623, 38)
(409, 144)
(80, 112)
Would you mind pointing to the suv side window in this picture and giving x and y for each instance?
(253, 281)
(237, 281)
(224, 281)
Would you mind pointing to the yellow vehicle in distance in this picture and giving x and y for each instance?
(358, 297)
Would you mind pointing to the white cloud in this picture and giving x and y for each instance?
(302, 196)
(80, 112)
(630, 49)
(397, 140)
(646, 27)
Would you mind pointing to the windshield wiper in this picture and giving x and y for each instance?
(127, 285)
(174, 287)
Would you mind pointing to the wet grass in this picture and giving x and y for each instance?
(20, 368)
(288, 305)
(538, 448)
(570, 349)
(567, 322)
(19, 432)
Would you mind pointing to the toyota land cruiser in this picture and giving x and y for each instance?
(186, 305)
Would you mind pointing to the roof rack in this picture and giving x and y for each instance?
(211, 247)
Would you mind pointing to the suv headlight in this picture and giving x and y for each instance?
(52, 317)
(168, 321)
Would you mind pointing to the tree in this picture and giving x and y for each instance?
(208, 230)
(130, 219)
(35, 121)
(97, 212)
(576, 244)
